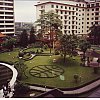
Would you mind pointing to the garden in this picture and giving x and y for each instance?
(50, 70)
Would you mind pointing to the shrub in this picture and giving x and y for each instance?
(76, 77)
(56, 52)
(21, 54)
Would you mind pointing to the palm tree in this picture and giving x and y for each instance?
(49, 22)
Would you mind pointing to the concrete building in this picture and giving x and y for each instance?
(7, 17)
(77, 16)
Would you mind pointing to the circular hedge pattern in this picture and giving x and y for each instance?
(46, 71)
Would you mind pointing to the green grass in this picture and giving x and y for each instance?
(70, 68)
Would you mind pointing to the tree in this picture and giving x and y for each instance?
(32, 37)
(49, 22)
(94, 34)
(21, 68)
(9, 43)
(68, 44)
(84, 45)
(24, 39)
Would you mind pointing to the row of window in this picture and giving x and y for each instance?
(93, 5)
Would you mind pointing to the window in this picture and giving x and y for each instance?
(87, 9)
(79, 19)
(65, 22)
(87, 22)
(65, 17)
(76, 13)
(52, 6)
(69, 7)
(97, 9)
(69, 18)
(61, 12)
(65, 7)
(41, 7)
(92, 23)
(92, 9)
(83, 9)
(96, 13)
(82, 31)
(82, 26)
(92, 18)
(88, 14)
(96, 18)
(73, 8)
(83, 5)
(61, 6)
(79, 4)
(76, 4)
(72, 22)
(61, 17)
(73, 13)
(79, 10)
(56, 11)
(65, 31)
(69, 22)
(65, 27)
(79, 23)
(56, 6)
(82, 18)
(92, 5)
(92, 13)
(96, 22)
(82, 22)
(88, 5)
(76, 9)
(87, 26)
(87, 18)
(69, 27)
(97, 4)
(72, 27)
(69, 31)
(83, 14)
(69, 13)
(65, 12)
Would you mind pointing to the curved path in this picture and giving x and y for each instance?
(13, 80)
(71, 92)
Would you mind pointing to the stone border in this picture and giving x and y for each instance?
(15, 73)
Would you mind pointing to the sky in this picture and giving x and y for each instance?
(25, 11)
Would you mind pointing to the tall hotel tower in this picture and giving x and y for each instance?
(77, 15)
(7, 25)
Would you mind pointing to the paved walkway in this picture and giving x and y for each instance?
(77, 91)
(12, 81)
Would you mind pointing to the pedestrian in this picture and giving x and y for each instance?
(9, 88)
(5, 91)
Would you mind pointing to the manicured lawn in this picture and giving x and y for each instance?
(70, 68)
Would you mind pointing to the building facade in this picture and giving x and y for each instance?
(77, 16)
(7, 17)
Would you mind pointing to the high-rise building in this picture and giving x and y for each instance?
(7, 25)
(77, 16)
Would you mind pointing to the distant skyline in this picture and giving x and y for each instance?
(25, 11)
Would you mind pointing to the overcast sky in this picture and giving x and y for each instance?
(25, 10)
